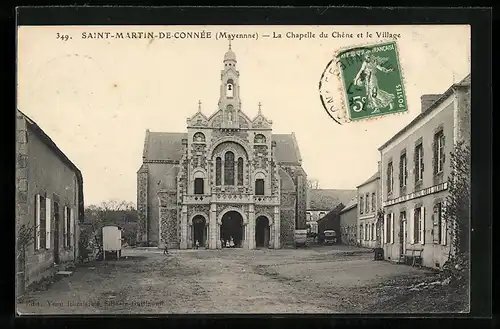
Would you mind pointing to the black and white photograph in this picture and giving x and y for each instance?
(243, 169)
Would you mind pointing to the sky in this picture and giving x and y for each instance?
(96, 97)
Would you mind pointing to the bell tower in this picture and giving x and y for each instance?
(229, 100)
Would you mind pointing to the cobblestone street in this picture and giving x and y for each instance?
(335, 279)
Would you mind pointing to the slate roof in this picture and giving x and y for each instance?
(168, 146)
(350, 205)
(328, 199)
(163, 146)
(465, 82)
(35, 128)
(371, 179)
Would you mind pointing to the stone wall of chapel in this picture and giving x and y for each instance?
(162, 177)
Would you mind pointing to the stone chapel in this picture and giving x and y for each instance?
(227, 177)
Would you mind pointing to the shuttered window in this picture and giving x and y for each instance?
(48, 223)
(392, 228)
(37, 222)
(43, 228)
(68, 227)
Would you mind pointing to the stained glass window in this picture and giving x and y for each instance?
(229, 168)
(240, 171)
(218, 169)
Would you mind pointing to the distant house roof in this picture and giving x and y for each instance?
(350, 205)
(465, 82)
(332, 214)
(168, 146)
(328, 199)
(374, 177)
(33, 127)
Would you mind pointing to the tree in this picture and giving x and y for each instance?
(457, 210)
(111, 212)
(313, 184)
(25, 238)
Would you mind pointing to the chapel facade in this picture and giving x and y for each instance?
(228, 177)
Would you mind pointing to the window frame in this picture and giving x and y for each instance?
(419, 162)
(390, 178)
(260, 186)
(199, 183)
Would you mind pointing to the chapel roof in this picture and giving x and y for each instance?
(168, 146)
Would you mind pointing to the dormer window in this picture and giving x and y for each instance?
(230, 89)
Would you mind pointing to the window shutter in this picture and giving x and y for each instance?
(65, 227)
(385, 229)
(37, 223)
(435, 158)
(422, 157)
(392, 228)
(72, 227)
(435, 224)
(422, 225)
(444, 232)
(444, 149)
(411, 226)
(415, 165)
(400, 172)
(48, 220)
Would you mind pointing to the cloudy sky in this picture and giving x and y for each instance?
(96, 97)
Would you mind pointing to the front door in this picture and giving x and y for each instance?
(56, 232)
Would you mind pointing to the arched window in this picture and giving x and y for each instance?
(229, 168)
(259, 186)
(199, 137)
(240, 171)
(259, 139)
(199, 183)
(218, 169)
(229, 88)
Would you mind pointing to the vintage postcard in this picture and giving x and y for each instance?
(243, 169)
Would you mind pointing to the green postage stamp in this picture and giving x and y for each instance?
(372, 81)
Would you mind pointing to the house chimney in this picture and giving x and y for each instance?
(427, 100)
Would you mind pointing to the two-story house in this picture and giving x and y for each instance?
(368, 193)
(415, 166)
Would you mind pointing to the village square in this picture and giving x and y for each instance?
(228, 220)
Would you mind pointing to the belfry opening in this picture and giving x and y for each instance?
(232, 228)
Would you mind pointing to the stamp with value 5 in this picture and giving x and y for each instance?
(372, 81)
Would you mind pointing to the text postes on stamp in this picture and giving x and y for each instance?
(363, 82)
(372, 81)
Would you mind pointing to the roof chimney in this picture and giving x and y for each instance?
(427, 100)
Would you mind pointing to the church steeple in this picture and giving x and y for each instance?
(229, 101)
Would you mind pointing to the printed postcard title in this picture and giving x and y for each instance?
(222, 35)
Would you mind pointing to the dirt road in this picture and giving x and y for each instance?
(316, 280)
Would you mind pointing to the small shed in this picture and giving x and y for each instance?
(112, 241)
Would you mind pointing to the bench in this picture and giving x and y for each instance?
(414, 255)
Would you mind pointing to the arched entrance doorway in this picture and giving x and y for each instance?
(232, 226)
(262, 233)
(199, 230)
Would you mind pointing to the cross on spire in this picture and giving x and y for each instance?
(260, 109)
(199, 106)
(229, 43)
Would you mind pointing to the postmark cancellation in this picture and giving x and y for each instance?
(363, 82)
